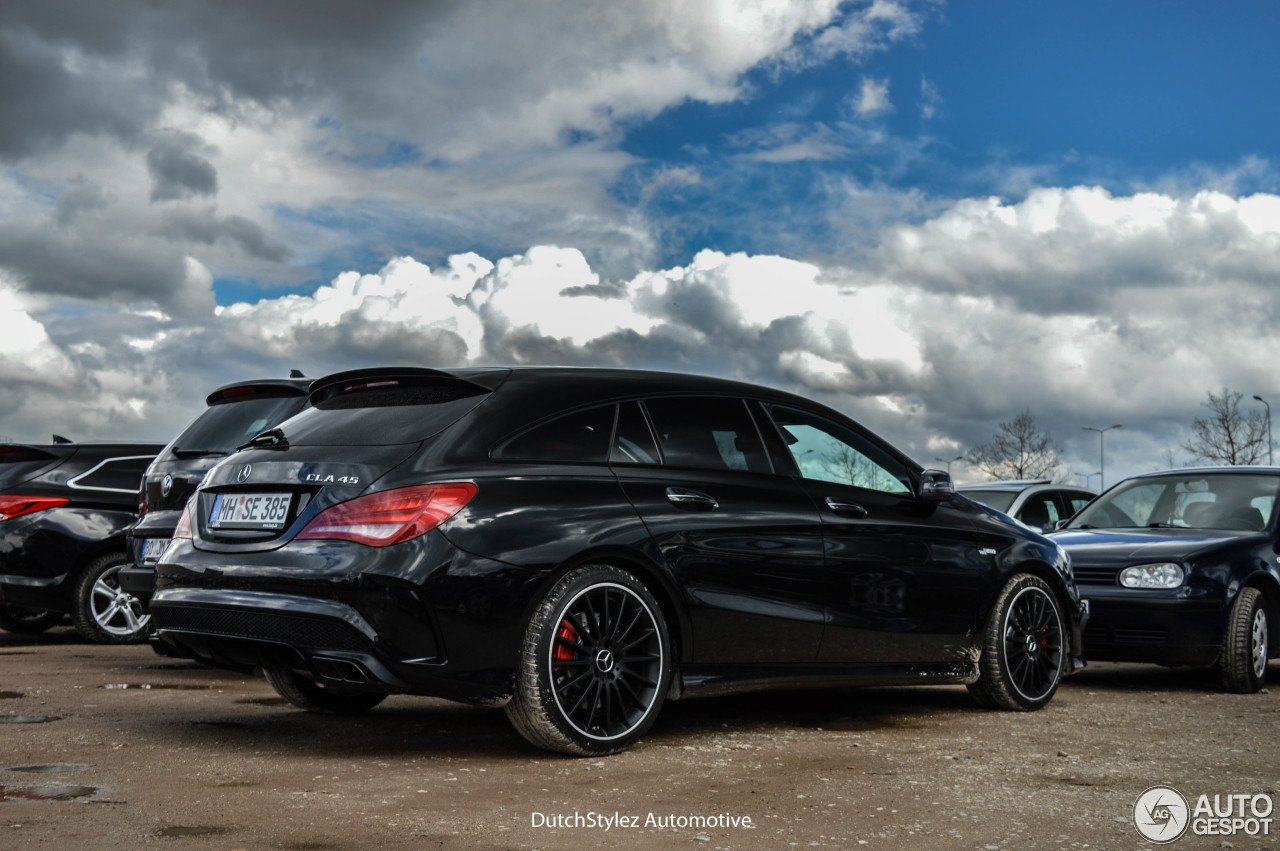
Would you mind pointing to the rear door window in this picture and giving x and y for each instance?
(581, 437)
(633, 441)
(709, 433)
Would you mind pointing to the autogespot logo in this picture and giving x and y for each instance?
(1161, 814)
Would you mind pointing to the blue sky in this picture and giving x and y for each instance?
(931, 215)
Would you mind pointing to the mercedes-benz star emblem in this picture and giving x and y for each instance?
(166, 485)
(245, 472)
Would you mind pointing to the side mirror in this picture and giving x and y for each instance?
(935, 486)
(1061, 524)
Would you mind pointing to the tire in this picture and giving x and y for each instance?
(1024, 651)
(314, 697)
(1243, 663)
(594, 666)
(103, 612)
(27, 621)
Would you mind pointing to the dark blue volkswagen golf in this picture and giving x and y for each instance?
(1180, 568)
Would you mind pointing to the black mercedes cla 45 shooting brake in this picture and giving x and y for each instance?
(580, 545)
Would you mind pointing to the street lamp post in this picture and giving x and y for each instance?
(948, 463)
(1102, 457)
(1088, 476)
(1264, 401)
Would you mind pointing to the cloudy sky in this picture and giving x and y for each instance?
(930, 215)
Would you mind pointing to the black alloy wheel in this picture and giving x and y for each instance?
(1024, 654)
(595, 664)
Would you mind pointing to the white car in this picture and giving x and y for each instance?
(1040, 504)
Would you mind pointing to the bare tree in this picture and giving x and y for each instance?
(1018, 450)
(1228, 435)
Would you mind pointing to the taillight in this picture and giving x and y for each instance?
(16, 506)
(142, 498)
(390, 517)
(183, 529)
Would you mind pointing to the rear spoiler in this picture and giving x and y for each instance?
(386, 378)
(260, 388)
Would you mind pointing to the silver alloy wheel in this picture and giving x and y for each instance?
(1258, 643)
(115, 610)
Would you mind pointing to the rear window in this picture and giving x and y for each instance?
(384, 412)
(581, 437)
(224, 426)
(19, 463)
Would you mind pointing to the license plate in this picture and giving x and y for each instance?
(249, 511)
(152, 548)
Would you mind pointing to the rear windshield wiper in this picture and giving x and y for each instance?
(270, 439)
(197, 453)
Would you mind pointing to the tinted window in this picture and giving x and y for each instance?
(830, 452)
(633, 443)
(19, 463)
(581, 437)
(1076, 500)
(223, 427)
(1039, 511)
(118, 475)
(384, 412)
(707, 433)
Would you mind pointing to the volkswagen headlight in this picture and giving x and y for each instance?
(1161, 575)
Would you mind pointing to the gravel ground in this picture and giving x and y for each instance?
(116, 748)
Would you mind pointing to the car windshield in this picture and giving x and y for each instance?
(999, 500)
(1243, 502)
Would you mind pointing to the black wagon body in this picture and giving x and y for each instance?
(581, 544)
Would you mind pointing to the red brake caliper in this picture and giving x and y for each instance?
(567, 632)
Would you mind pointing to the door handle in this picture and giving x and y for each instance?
(849, 509)
(691, 499)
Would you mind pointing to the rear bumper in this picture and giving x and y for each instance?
(420, 617)
(1180, 627)
(51, 593)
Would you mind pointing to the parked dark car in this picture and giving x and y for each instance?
(1039, 504)
(580, 545)
(64, 509)
(1179, 568)
(234, 414)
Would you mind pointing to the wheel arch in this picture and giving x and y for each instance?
(1051, 577)
(1270, 588)
(654, 577)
